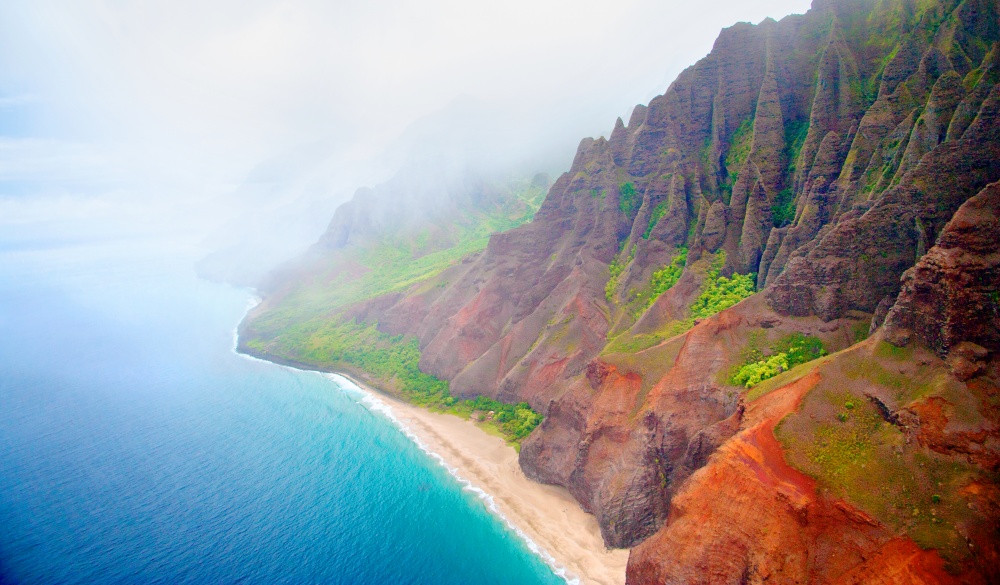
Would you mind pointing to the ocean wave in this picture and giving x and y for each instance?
(252, 301)
(374, 404)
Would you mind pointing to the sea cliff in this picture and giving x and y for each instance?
(760, 318)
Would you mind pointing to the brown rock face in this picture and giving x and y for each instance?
(859, 261)
(952, 295)
(775, 126)
(626, 435)
(827, 153)
(748, 516)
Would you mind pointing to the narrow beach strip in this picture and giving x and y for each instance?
(546, 517)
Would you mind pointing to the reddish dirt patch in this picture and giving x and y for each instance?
(616, 398)
(747, 517)
(933, 434)
(546, 374)
(901, 561)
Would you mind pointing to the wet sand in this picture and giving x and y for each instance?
(547, 515)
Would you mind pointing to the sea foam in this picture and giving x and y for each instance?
(374, 404)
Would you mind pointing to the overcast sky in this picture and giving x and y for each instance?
(153, 105)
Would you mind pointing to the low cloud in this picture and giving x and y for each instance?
(182, 99)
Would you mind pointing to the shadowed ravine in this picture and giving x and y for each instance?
(824, 182)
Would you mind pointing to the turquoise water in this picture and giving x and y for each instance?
(137, 447)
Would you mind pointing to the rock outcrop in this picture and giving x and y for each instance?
(751, 515)
(829, 154)
(828, 177)
(950, 300)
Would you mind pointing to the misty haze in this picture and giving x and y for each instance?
(532, 292)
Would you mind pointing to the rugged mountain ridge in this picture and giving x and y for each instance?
(769, 520)
(826, 154)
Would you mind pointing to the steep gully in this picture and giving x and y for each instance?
(827, 153)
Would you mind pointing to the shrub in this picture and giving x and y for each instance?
(755, 372)
(739, 149)
(668, 276)
(658, 212)
(628, 198)
(395, 359)
(783, 212)
(787, 352)
(516, 421)
(722, 293)
(616, 268)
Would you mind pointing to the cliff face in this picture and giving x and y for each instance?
(888, 496)
(899, 447)
(949, 299)
(825, 154)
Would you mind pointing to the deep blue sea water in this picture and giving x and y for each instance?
(137, 447)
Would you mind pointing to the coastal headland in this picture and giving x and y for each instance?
(818, 195)
(546, 517)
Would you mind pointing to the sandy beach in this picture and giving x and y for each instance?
(547, 515)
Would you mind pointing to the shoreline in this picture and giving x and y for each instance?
(546, 518)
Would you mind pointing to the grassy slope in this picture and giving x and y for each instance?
(716, 294)
(394, 263)
(306, 325)
(840, 437)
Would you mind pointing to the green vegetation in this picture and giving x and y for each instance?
(515, 421)
(667, 277)
(306, 325)
(720, 293)
(786, 353)
(890, 351)
(841, 448)
(783, 212)
(396, 262)
(717, 294)
(705, 156)
(736, 156)
(616, 267)
(795, 136)
(888, 368)
(723, 293)
(860, 330)
(783, 379)
(394, 362)
(658, 212)
(739, 147)
(858, 456)
(628, 198)
(660, 282)
(842, 436)
(383, 356)
(783, 209)
(972, 78)
(633, 343)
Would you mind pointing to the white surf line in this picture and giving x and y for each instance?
(375, 404)
(252, 303)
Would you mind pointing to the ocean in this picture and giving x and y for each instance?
(137, 447)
